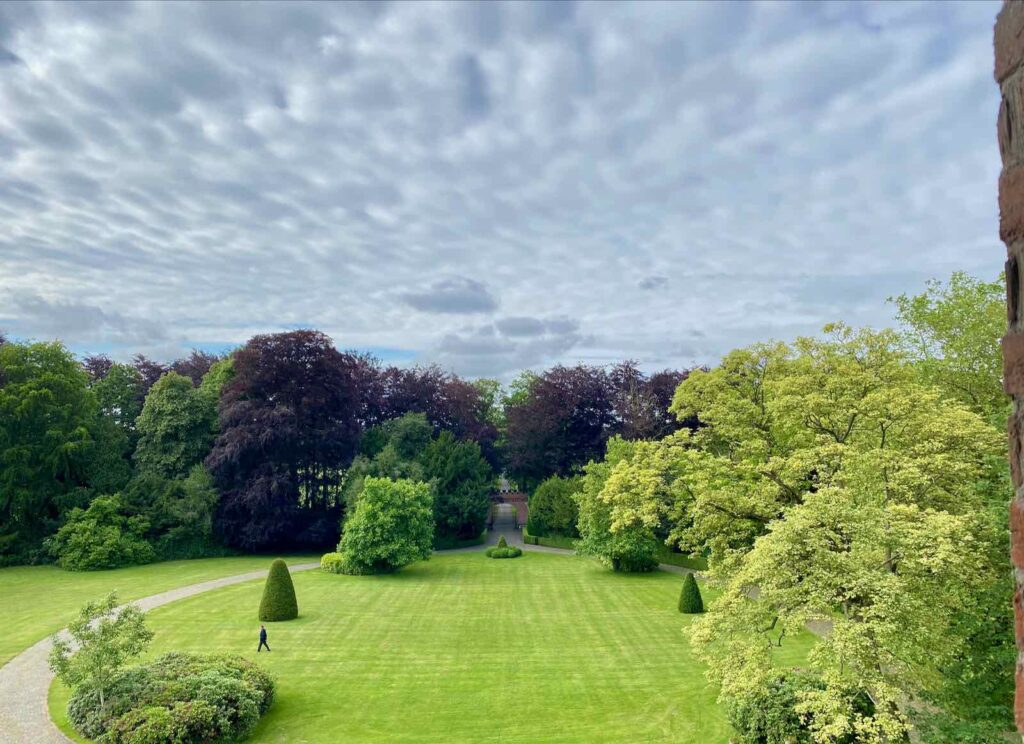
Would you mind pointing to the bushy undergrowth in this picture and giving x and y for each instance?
(182, 698)
(332, 563)
(768, 713)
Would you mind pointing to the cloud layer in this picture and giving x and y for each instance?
(488, 185)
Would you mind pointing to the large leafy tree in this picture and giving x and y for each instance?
(119, 393)
(448, 402)
(391, 527)
(553, 509)
(828, 475)
(48, 418)
(561, 419)
(560, 422)
(461, 479)
(952, 331)
(290, 421)
(176, 427)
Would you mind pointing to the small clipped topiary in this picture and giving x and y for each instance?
(279, 601)
(332, 563)
(503, 550)
(690, 601)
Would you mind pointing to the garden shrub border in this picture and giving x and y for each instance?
(553, 541)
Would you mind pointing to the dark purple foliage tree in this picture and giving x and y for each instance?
(97, 366)
(290, 422)
(567, 414)
(195, 365)
(562, 423)
(449, 403)
(151, 371)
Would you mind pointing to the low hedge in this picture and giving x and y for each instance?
(551, 541)
(331, 563)
(177, 698)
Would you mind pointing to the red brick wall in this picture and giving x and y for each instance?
(1009, 72)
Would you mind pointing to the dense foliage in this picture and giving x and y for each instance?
(175, 428)
(552, 509)
(290, 420)
(392, 526)
(101, 536)
(560, 420)
(278, 602)
(49, 444)
(176, 698)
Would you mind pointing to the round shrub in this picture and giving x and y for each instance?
(182, 722)
(332, 563)
(506, 551)
(690, 601)
(278, 601)
(177, 698)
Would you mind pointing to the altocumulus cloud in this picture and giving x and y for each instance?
(487, 185)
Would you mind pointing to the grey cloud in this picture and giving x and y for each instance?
(456, 294)
(655, 281)
(74, 322)
(230, 172)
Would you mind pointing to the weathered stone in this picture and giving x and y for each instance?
(1011, 204)
(1013, 363)
(1009, 39)
(1017, 531)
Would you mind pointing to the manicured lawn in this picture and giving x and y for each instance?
(463, 648)
(36, 601)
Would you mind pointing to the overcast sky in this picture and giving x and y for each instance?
(488, 186)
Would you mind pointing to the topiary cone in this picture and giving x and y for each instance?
(502, 543)
(690, 602)
(279, 601)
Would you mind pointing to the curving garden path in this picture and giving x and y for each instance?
(25, 680)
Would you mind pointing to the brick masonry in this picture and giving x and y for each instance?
(1009, 73)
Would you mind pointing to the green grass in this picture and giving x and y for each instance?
(40, 600)
(461, 648)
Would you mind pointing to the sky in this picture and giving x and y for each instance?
(490, 187)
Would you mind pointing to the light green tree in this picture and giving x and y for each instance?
(828, 475)
(392, 526)
(102, 639)
(952, 332)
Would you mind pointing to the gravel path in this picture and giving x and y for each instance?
(25, 679)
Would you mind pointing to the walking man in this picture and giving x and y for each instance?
(263, 639)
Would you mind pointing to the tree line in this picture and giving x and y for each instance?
(104, 463)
